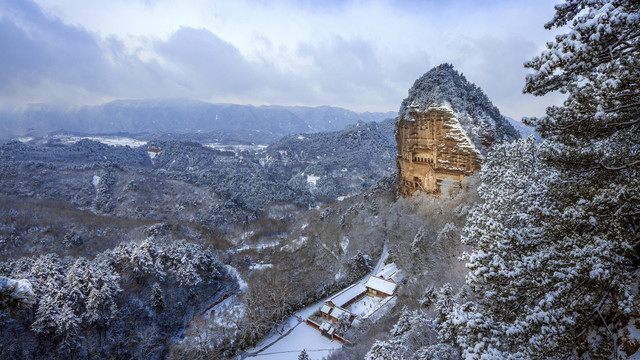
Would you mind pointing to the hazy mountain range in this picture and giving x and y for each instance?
(180, 116)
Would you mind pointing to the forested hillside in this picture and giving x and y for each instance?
(217, 225)
(553, 245)
(128, 301)
(122, 245)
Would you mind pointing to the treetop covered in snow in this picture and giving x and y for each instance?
(444, 88)
(15, 293)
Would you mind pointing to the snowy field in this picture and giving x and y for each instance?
(367, 305)
(125, 141)
(108, 140)
(303, 337)
(235, 148)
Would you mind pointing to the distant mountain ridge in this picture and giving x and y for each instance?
(179, 116)
(524, 130)
(191, 181)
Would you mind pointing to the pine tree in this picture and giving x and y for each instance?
(303, 355)
(428, 297)
(594, 141)
(437, 352)
(556, 240)
(157, 298)
(382, 350)
(15, 293)
(417, 243)
(403, 324)
(444, 301)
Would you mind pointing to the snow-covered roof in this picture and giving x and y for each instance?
(348, 294)
(326, 309)
(381, 285)
(339, 312)
(388, 271)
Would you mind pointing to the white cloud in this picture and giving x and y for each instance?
(362, 54)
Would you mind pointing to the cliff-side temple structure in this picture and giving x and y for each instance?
(432, 147)
(443, 129)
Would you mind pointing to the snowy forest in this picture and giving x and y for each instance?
(186, 247)
(554, 244)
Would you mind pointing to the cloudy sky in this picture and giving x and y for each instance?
(362, 55)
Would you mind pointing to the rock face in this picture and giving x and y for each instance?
(442, 129)
(433, 147)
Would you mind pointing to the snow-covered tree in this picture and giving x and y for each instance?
(543, 263)
(157, 298)
(403, 324)
(556, 241)
(444, 300)
(15, 293)
(303, 355)
(382, 350)
(429, 296)
(417, 243)
(437, 352)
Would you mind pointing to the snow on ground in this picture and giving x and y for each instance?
(221, 306)
(236, 274)
(303, 337)
(258, 247)
(295, 244)
(313, 180)
(108, 140)
(96, 180)
(260, 266)
(386, 305)
(366, 306)
(228, 314)
(235, 148)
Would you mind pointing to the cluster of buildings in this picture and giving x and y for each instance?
(348, 304)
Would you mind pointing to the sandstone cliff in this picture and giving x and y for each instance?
(442, 129)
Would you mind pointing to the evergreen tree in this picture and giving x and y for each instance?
(382, 350)
(418, 241)
(556, 240)
(437, 352)
(157, 298)
(594, 140)
(444, 301)
(15, 293)
(428, 297)
(404, 323)
(303, 355)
